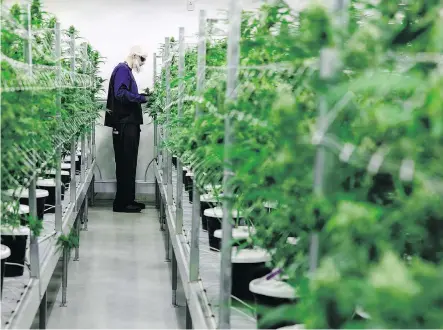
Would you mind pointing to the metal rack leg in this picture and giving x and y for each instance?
(162, 215)
(86, 217)
(188, 318)
(168, 244)
(43, 316)
(156, 194)
(78, 224)
(65, 276)
(92, 189)
(174, 280)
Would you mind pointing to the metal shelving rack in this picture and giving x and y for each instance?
(24, 296)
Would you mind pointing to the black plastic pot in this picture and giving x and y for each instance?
(41, 201)
(213, 225)
(69, 170)
(17, 245)
(3, 261)
(190, 183)
(78, 163)
(204, 206)
(242, 275)
(264, 305)
(3, 274)
(50, 200)
(184, 178)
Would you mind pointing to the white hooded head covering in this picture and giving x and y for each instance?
(137, 58)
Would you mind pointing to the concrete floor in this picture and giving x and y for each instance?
(122, 280)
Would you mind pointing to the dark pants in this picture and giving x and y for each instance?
(126, 139)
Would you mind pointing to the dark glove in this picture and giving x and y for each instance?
(145, 98)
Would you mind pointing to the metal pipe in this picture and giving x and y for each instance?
(194, 259)
(174, 279)
(82, 159)
(78, 222)
(43, 315)
(28, 42)
(168, 122)
(86, 218)
(181, 88)
(154, 59)
(188, 317)
(168, 242)
(34, 248)
(93, 141)
(231, 95)
(58, 193)
(162, 214)
(72, 48)
(65, 276)
(73, 184)
(165, 127)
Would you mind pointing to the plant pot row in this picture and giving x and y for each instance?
(15, 239)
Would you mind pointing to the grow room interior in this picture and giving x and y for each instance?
(290, 161)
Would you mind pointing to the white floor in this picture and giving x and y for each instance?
(121, 280)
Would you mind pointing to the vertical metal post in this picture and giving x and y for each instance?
(168, 165)
(194, 259)
(78, 222)
(166, 64)
(181, 90)
(72, 48)
(43, 315)
(34, 250)
(73, 184)
(162, 214)
(83, 160)
(226, 248)
(58, 193)
(58, 177)
(188, 318)
(86, 215)
(154, 77)
(28, 40)
(93, 141)
(327, 71)
(65, 276)
(174, 279)
(168, 242)
(90, 146)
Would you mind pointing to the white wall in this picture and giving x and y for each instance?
(113, 27)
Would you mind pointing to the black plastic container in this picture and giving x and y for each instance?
(190, 184)
(17, 245)
(204, 206)
(4, 253)
(213, 225)
(242, 275)
(69, 170)
(184, 178)
(41, 201)
(50, 200)
(78, 163)
(264, 305)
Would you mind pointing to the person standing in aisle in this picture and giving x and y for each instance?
(125, 116)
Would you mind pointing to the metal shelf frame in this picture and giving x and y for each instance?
(75, 215)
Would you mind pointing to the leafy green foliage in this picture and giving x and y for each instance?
(34, 123)
(379, 233)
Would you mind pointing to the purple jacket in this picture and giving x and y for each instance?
(124, 101)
